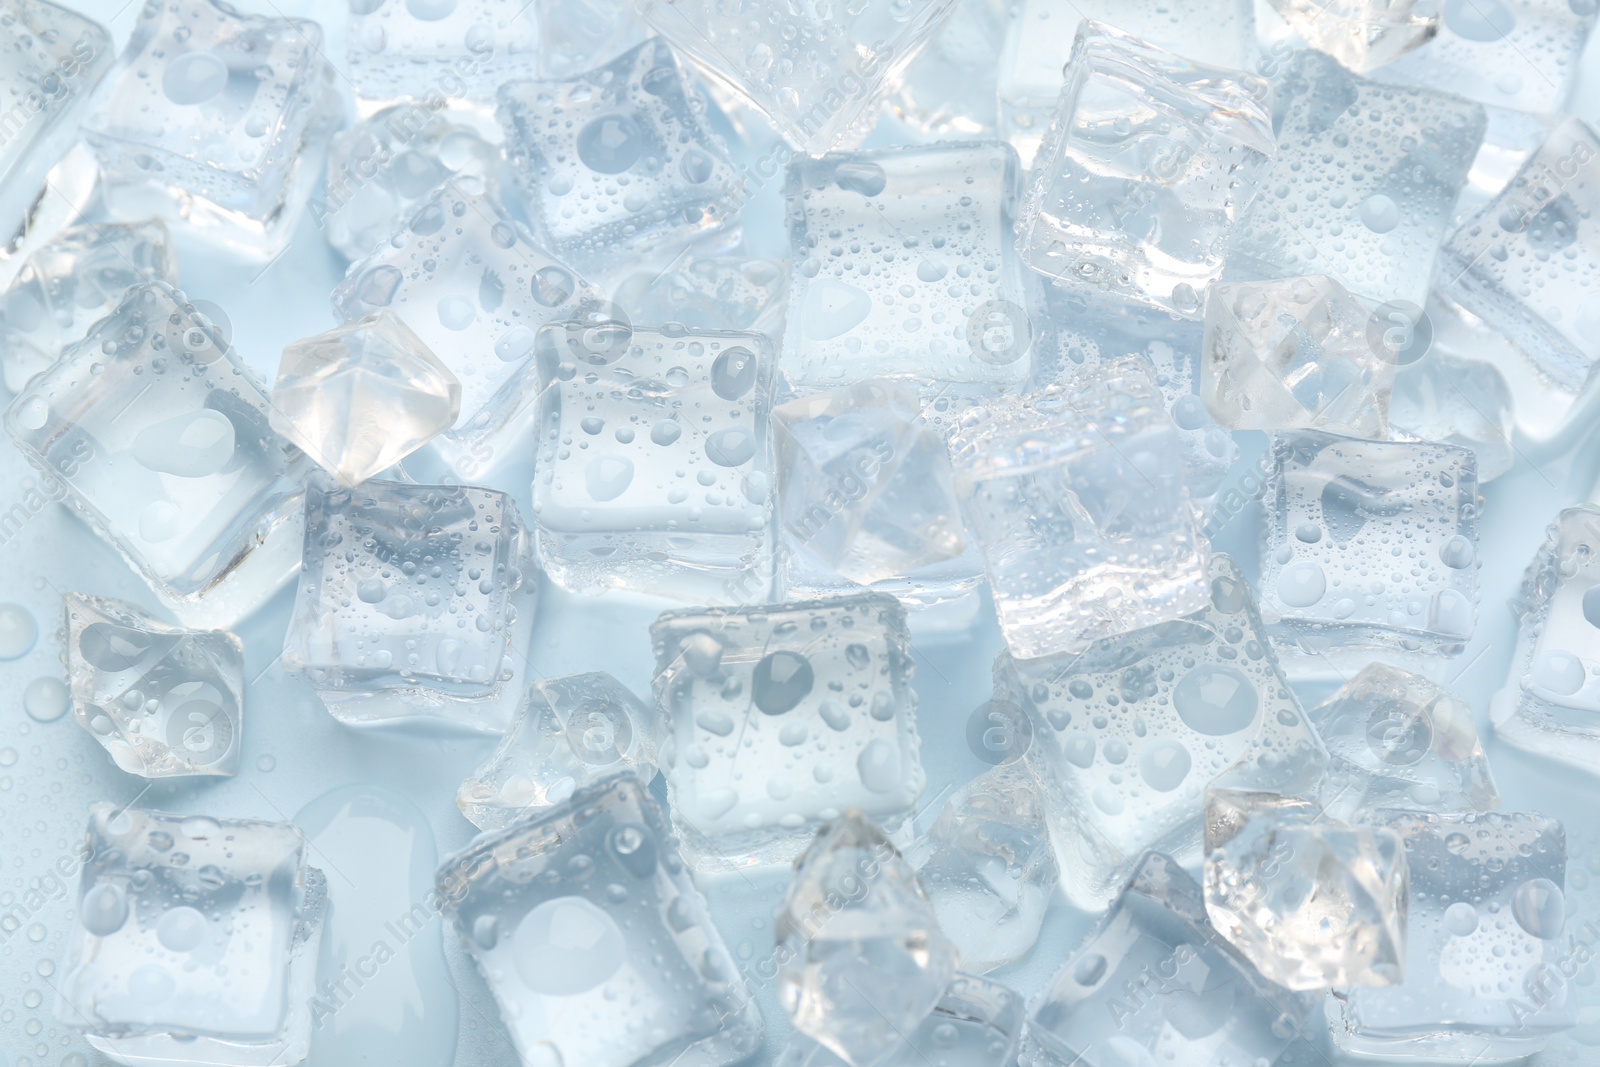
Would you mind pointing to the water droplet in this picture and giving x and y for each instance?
(1089, 969)
(1558, 672)
(103, 910)
(46, 699)
(18, 631)
(457, 313)
(181, 929)
(868, 179)
(733, 373)
(1379, 213)
(780, 681)
(1164, 764)
(1540, 908)
(194, 77)
(608, 476)
(879, 766)
(567, 946)
(1302, 584)
(611, 144)
(732, 447)
(1215, 701)
(1460, 919)
(1458, 553)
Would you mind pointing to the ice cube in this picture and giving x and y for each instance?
(569, 732)
(414, 601)
(361, 397)
(1362, 185)
(710, 293)
(1075, 494)
(665, 489)
(1362, 35)
(944, 299)
(577, 911)
(71, 283)
(1456, 401)
(864, 960)
(160, 434)
(1128, 735)
(1148, 162)
(630, 166)
(216, 121)
(163, 701)
(1397, 740)
(773, 720)
(196, 940)
(977, 1023)
(1485, 960)
(987, 867)
(1295, 353)
(1154, 982)
(949, 88)
(1312, 902)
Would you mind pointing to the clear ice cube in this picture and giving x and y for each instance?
(597, 946)
(363, 396)
(1148, 162)
(977, 1023)
(729, 292)
(160, 434)
(864, 960)
(163, 701)
(414, 601)
(195, 942)
(773, 720)
(569, 732)
(1456, 401)
(1362, 35)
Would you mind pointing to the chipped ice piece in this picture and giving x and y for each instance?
(619, 161)
(864, 961)
(580, 909)
(944, 298)
(1456, 401)
(1337, 509)
(1397, 740)
(977, 1023)
(1075, 494)
(1362, 35)
(1362, 184)
(569, 732)
(415, 601)
(1485, 957)
(728, 292)
(1295, 353)
(195, 942)
(361, 397)
(987, 867)
(165, 702)
(1155, 982)
(190, 484)
(949, 88)
(68, 285)
(773, 720)
(1143, 215)
(216, 121)
(1312, 902)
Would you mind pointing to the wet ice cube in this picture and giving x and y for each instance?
(944, 299)
(773, 720)
(1075, 494)
(710, 293)
(1362, 184)
(196, 940)
(1483, 944)
(1362, 35)
(1143, 215)
(581, 909)
(162, 700)
(1456, 401)
(1127, 736)
(414, 601)
(569, 732)
(987, 867)
(1397, 740)
(977, 1023)
(215, 120)
(864, 959)
(71, 283)
(1153, 981)
(189, 483)
(361, 397)
(1295, 353)
(666, 490)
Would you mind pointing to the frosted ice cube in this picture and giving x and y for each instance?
(597, 946)
(987, 867)
(1362, 184)
(414, 601)
(977, 1023)
(71, 283)
(773, 720)
(196, 940)
(1456, 401)
(1128, 735)
(949, 88)
(162, 700)
(1485, 958)
(361, 397)
(1076, 496)
(710, 293)
(216, 120)
(1149, 160)
(944, 299)
(665, 489)
(160, 434)
(619, 161)
(1295, 353)
(569, 732)
(1361, 34)
(864, 959)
